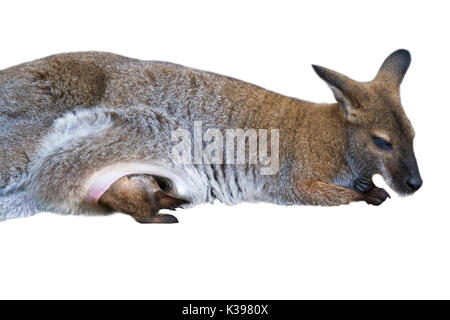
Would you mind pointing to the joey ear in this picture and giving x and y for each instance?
(394, 67)
(344, 89)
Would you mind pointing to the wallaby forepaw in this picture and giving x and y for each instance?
(376, 196)
(157, 218)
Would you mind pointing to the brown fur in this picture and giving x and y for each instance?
(140, 197)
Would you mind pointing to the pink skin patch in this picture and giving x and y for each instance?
(104, 181)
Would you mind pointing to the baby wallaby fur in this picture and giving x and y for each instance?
(141, 197)
(92, 132)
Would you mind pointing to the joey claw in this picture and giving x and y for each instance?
(376, 196)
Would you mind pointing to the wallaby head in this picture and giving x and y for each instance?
(380, 136)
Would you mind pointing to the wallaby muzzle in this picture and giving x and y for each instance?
(412, 180)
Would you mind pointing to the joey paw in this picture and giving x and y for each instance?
(157, 218)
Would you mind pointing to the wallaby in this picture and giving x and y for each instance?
(92, 132)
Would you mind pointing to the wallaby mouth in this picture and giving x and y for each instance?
(405, 184)
(408, 185)
(403, 176)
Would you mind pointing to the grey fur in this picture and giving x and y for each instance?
(148, 101)
(18, 204)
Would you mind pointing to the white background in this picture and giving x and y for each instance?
(397, 250)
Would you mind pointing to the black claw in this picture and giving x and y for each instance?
(363, 185)
(377, 196)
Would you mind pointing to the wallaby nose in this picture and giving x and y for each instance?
(414, 182)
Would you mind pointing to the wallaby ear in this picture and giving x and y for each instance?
(394, 67)
(344, 89)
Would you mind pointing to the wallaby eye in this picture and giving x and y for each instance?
(382, 144)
